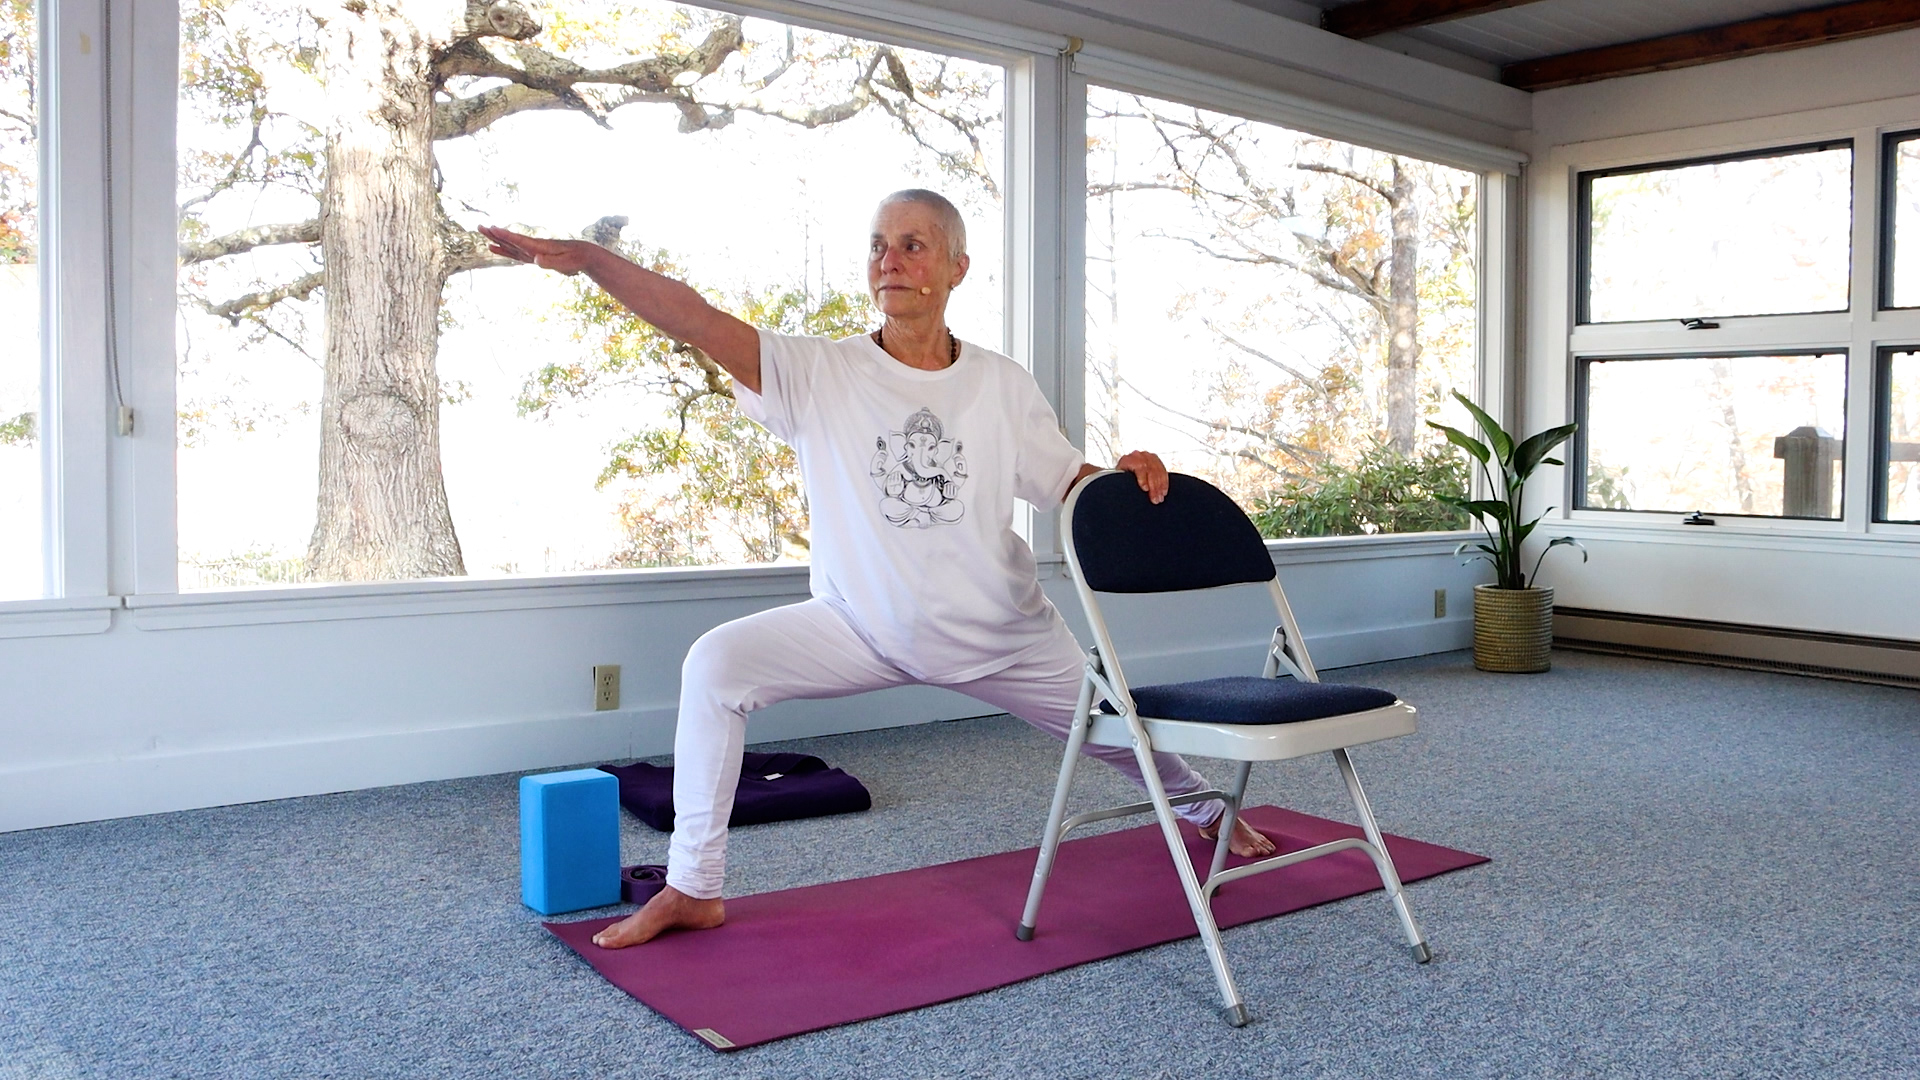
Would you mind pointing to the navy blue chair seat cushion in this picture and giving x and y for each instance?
(1246, 699)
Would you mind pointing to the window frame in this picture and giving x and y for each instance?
(1883, 428)
(1583, 242)
(1884, 234)
(1577, 463)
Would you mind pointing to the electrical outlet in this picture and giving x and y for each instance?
(1439, 603)
(606, 687)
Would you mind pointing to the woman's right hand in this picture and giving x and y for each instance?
(564, 256)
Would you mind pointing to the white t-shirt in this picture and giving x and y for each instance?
(911, 477)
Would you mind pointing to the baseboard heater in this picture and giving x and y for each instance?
(1889, 661)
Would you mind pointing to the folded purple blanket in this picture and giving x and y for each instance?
(773, 787)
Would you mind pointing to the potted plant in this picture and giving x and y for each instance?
(1512, 618)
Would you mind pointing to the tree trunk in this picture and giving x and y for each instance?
(382, 511)
(1403, 315)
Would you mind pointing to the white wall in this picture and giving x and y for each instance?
(1851, 578)
(179, 705)
(113, 705)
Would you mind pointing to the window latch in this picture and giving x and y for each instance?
(1697, 518)
(1699, 324)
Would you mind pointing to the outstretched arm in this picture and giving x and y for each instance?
(673, 306)
(1146, 468)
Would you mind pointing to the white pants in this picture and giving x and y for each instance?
(808, 650)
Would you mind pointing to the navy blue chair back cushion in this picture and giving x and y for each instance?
(1198, 538)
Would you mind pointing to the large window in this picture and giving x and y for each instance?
(1278, 312)
(20, 367)
(437, 413)
(1754, 235)
(1748, 435)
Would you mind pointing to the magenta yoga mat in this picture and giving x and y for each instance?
(800, 960)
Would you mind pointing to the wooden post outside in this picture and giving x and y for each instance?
(1809, 454)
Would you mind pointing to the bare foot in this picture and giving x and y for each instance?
(1246, 840)
(670, 909)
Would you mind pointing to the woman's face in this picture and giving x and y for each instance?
(909, 272)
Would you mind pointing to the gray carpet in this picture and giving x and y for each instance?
(1697, 872)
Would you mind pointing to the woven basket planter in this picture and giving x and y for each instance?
(1512, 629)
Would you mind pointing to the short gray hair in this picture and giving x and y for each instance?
(951, 223)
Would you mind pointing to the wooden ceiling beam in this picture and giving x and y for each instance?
(1370, 17)
(1838, 22)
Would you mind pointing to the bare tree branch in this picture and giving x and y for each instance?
(1344, 283)
(540, 80)
(496, 18)
(1097, 190)
(1266, 438)
(233, 243)
(1348, 174)
(238, 171)
(1306, 380)
(463, 250)
(233, 310)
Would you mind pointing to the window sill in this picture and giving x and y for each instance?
(447, 596)
(1827, 538)
(57, 617)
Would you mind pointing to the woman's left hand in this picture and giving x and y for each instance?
(1149, 470)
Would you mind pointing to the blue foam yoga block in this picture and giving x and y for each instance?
(569, 840)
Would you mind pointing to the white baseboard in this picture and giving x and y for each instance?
(64, 793)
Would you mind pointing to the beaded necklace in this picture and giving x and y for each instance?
(953, 345)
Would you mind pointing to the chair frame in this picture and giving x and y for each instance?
(1242, 743)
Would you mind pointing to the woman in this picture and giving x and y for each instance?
(913, 446)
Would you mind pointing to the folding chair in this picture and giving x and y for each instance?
(1120, 542)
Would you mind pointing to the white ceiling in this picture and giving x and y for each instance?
(1552, 27)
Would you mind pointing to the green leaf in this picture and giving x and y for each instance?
(1463, 440)
(1502, 442)
(1551, 544)
(1521, 532)
(1496, 509)
(1527, 457)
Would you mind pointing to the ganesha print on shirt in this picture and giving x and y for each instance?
(919, 472)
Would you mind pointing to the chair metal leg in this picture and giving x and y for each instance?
(1382, 860)
(1220, 846)
(1233, 1008)
(1050, 840)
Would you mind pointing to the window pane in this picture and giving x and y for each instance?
(1757, 236)
(20, 514)
(1278, 313)
(1900, 497)
(507, 419)
(1903, 239)
(1759, 435)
